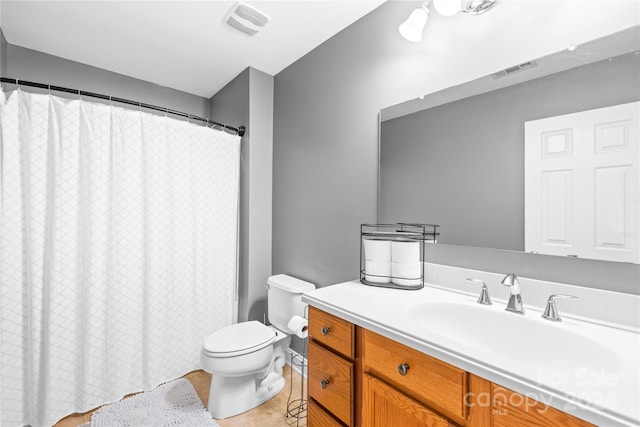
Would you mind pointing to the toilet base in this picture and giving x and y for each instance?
(231, 396)
(234, 395)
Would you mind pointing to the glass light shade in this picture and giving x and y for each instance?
(412, 28)
(447, 7)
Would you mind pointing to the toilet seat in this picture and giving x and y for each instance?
(238, 339)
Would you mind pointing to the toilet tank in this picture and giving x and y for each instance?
(284, 299)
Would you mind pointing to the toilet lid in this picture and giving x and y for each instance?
(243, 337)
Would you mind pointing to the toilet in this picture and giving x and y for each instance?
(246, 359)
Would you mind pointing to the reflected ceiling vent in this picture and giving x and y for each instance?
(247, 19)
(514, 69)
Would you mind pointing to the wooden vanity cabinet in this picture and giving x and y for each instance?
(511, 409)
(360, 378)
(331, 370)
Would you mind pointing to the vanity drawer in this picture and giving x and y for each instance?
(511, 409)
(332, 331)
(318, 417)
(436, 383)
(331, 382)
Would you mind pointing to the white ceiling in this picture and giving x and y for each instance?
(184, 45)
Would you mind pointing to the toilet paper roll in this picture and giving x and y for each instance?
(406, 273)
(377, 250)
(405, 252)
(299, 326)
(406, 282)
(377, 272)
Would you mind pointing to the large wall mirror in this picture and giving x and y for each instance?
(457, 157)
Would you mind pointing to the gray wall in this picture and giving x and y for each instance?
(460, 165)
(31, 65)
(3, 54)
(248, 99)
(325, 172)
(260, 192)
(325, 155)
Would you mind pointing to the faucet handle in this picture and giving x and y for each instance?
(512, 281)
(484, 297)
(551, 311)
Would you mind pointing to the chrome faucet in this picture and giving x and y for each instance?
(515, 300)
(484, 297)
(551, 311)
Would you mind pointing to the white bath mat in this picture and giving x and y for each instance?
(173, 404)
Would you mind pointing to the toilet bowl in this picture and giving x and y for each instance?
(246, 359)
(246, 366)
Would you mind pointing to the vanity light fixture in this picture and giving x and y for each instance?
(413, 27)
(476, 7)
(447, 7)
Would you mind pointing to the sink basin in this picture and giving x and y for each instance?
(551, 346)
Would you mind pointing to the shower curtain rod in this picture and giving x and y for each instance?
(240, 131)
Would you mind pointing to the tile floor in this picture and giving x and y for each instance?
(269, 414)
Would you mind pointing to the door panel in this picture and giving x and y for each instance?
(582, 184)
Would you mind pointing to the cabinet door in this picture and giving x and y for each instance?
(317, 417)
(384, 406)
(511, 409)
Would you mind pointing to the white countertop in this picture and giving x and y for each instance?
(602, 386)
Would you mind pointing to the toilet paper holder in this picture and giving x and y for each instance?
(393, 255)
(299, 326)
(296, 410)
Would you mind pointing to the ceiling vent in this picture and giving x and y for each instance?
(514, 69)
(247, 19)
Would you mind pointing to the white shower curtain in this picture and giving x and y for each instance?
(118, 244)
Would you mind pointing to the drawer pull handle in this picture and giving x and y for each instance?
(325, 330)
(403, 369)
(324, 383)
